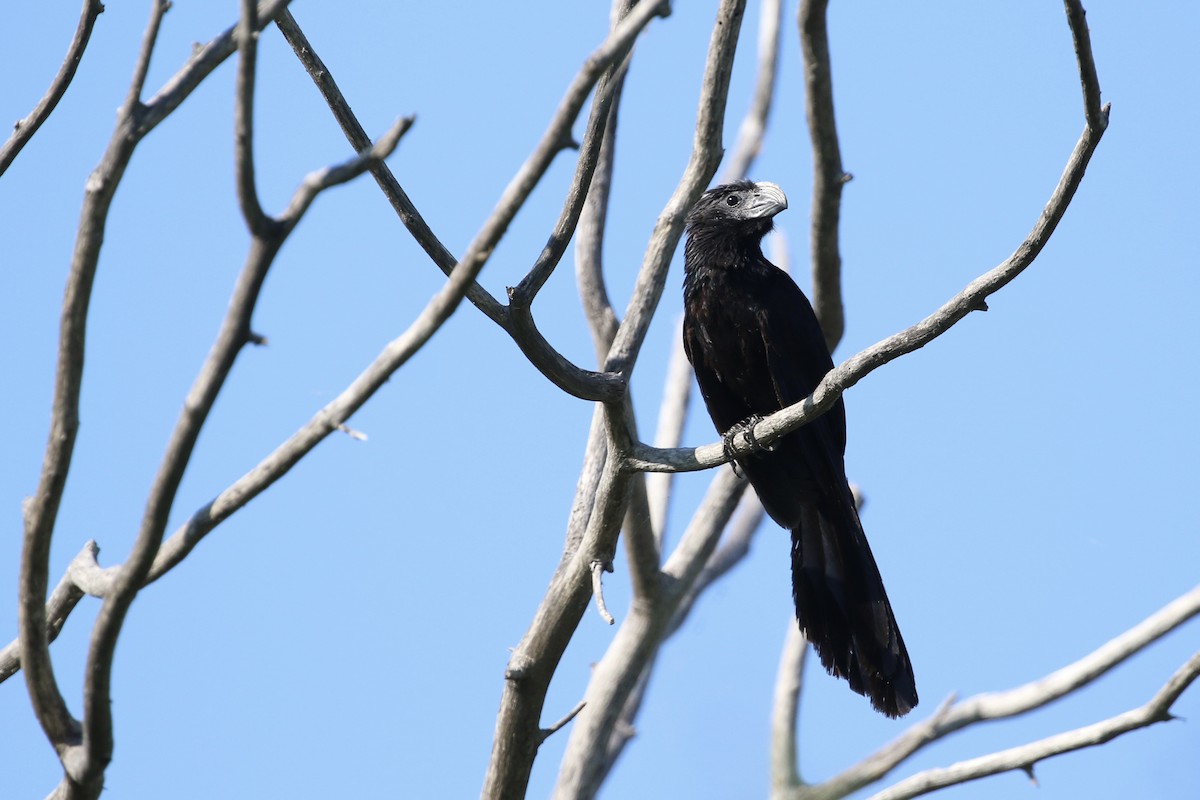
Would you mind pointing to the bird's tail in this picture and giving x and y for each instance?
(844, 611)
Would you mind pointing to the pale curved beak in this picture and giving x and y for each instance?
(767, 200)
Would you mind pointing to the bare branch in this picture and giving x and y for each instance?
(556, 727)
(607, 90)
(234, 334)
(951, 716)
(589, 238)
(672, 414)
(199, 66)
(1024, 757)
(617, 675)
(535, 659)
(612, 50)
(706, 155)
(572, 379)
(785, 711)
(737, 534)
(24, 129)
(1097, 117)
(578, 382)
(85, 576)
(590, 751)
(357, 136)
(598, 570)
(62, 602)
(754, 125)
(158, 10)
(348, 170)
(62, 730)
(828, 176)
(736, 546)
(243, 120)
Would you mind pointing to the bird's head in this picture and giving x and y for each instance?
(741, 209)
(726, 226)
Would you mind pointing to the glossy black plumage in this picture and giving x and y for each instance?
(756, 347)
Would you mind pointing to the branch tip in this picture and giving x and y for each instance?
(352, 433)
(546, 733)
(598, 568)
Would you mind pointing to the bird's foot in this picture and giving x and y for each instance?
(745, 429)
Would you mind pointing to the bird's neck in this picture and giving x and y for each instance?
(718, 250)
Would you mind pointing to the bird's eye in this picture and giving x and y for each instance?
(732, 200)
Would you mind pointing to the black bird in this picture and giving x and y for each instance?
(757, 347)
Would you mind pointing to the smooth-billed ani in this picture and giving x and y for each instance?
(757, 346)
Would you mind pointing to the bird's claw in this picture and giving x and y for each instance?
(745, 429)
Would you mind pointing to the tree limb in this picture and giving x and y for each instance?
(533, 662)
(578, 382)
(618, 674)
(785, 712)
(828, 176)
(41, 511)
(234, 334)
(706, 155)
(1025, 757)
(24, 129)
(754, 125)
(954, 716)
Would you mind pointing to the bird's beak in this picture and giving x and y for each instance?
(767, 200)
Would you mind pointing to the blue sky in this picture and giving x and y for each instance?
(1030, 476)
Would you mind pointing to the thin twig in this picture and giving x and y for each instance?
(328, 177)
(598, 570)
(141, 67)
(570, 715)
(954, 716)
(201, 64)
(25, 128)
(1024, 757)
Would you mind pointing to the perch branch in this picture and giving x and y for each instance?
(857, 367)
